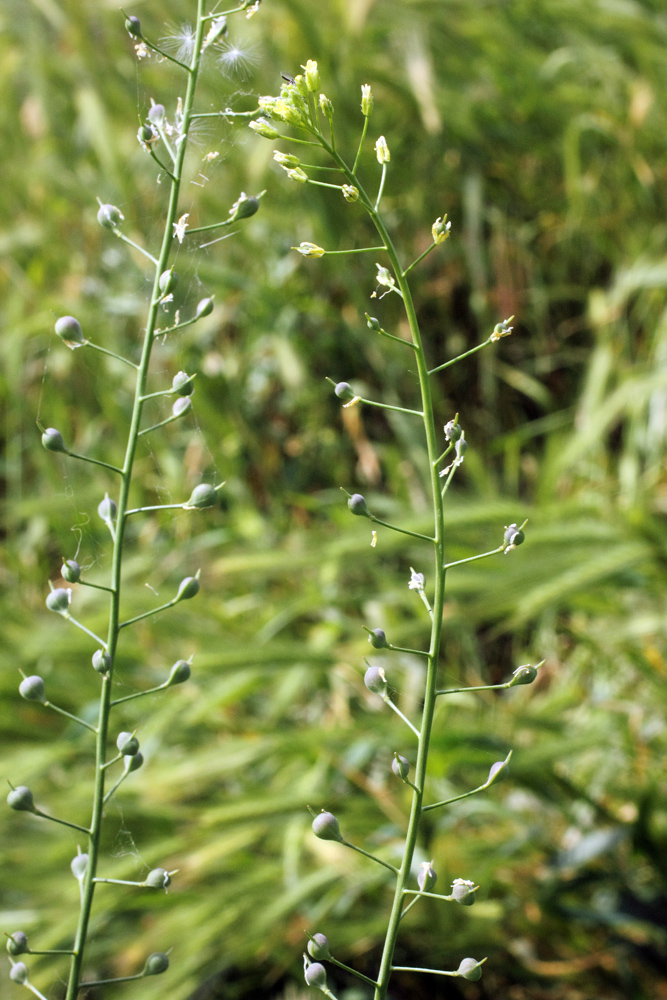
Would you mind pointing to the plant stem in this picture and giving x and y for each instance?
(161, 263)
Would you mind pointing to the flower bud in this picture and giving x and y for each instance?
(168, 281)
(503, 329)
(310, 249)
(19, 973)
(315, 975)
(286, 160)
(523, 675)
(344, 390)
(357, 505)
(32, 688)
(79, 866)
(58, 600)
(202, 496)
(378, 639)
(188, 587)
(180, 672)
(262, 127)
(52, 440)
(204, 308)
(325, 827)
(372, 323)
(312, 75)
(350, 193)
(366, 100)
(181, 406)
(427, 877)
(375, 680)
(464, 891)
(513, 536)
(158, 878)
(102, 661)
(243, 207)
(21, 799)
(470, 969)
(107, 509)
(297, 174)
(156, 114)
(109, 216)
(318, 946)
(127, 744)
(70, 332)
(440, 230)
(17, 943)
(326, 107)
(133, 26)
(71, 571)
(382, 150)
(453, 431)
(400, 766)
(183, 384)
(156, 964)
(133, 762)
(301, 85)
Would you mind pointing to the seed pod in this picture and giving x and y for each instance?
(400, 766)
(513, 536)
(357, 505)
(188, 588)
(318, 946)
(32, 688)
(107, 509)
(53, 440)
(263, 127)
(183, 384)
(156, 114)
(243, 207)
(372, 323)
(378, 639)
(470, 969)
(102, 662)
(158, 878)
(109, 216)
(496, 769)
(19, 973)
(168, 280)
(17, 943)
(147, 136)
(453, 431)
(71, 571)
(20, 799)
(181, 406)
(315, 975)
(350, 193)
(70, 332)
(523, 675)
(344, 390)
(133, 26)
(156, 964)
(204, 308)
(79, 866)
(202, 496)
(133, 762)
(127, 744)
(325, 827)
(180, 672)
(375, 680)
(464, 891)
(427, 877)
(58, 600)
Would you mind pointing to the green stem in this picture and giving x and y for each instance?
(63, 822)
(161, 264)
(361, 143)
(419, 259)
(359, 975)
(482, 555)
(94, 461)
(366, 854)
(142, 694)
(147, 614)
(388, 406)
(95, 586)
(68, 715)
(131, 243)
(111, 354)
(403, 531)
(460, 357)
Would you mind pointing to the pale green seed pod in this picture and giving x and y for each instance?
(181, 406)
(350, 193)
(344, 390)
(168, 281)
(20, 799)
(315, 975)
(52, 440)
(102, 662)
(58, 600)
(244, 207)
(133, 762)
(133, 26)
(71, 571)
(464, 891)
(180, 672)
(156, 964)
(427, 876)
(470, 969)
(17, 943)
(514, 536)
(107, 509)
(378, 639)
(325, 827)
(357, 505)
(69, 330)
(204, 308)
(202, 496)
(183, 384)
(400, 766)
(127, 744)
(318, 947)
(523, 675)
(453, 431)
(19, 973)
(372, 323)
(156, 114)
(158, 878)
(109, 216)
(32, 688)
(79, 866)
(188, 588)
(375, 680)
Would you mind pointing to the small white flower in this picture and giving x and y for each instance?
(211, 156)
(310, 249)
(460, 449)
(366, 100)
(374, 539)
(142, 50)
(253, 10)
(382, 150)
(463, 881)
(501, 330)
(180, 227)
(416, 580)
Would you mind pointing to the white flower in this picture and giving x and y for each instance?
(211, 156)
(180, 227)
(366, 100)
(253, 10)
(416, 580)
(310, 249)
(142, 50)
(460, 449)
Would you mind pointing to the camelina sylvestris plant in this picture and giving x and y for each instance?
(302, 106)
(164, 137)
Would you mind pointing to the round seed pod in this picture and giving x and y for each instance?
(133, 26)
(315, 975)
(127, 744)
(107, 509)
(463, 891)
(375, 680)
(372, 323)
(69, 330)
(133, 762)
(523, 675)
(17, 943)
(158, 878)
(318, 946)
(188, 588)
(400, 766)
(357, 505)
(79, 866)
(19, 973)
(20, 799)
(71, 571)
(146, 135)
(325, 827)
(204, 308)
(344, 390)
(168, 279)
(183, 384)
(514, 536)
(156, 114)
(32, 688)
(499, 767)
(58, 600)
(102, 662)
(181, 406)
(156, 964)
(453, 431)
(202, 496)
(180, 672)
(470, 969)
(378, 639)
(53, 440)
(109, 216)
(427, 877)
(244, 207)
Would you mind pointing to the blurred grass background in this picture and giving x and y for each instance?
(541, 129)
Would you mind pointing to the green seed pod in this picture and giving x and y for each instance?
(350, 193)
(357, 505)
(102, 662)
(58, 600)
(158, 878)
(53, 440)
(427, 877)
(107, 509)
(470, 969)
(523, 675)
(17, 943)
(109, 216)
(70, 332)
(180, 672)
(71, 571)
(202, 496)
(133, 762)
(181, 406)
(514, 536)
(325, 827)
(32, 689)
(315, 975)
(372, 323)
(79, 866)
(498, 768)
(400, 766)
(453, 431)
(263, 127)
(243, 207)
(19, 973)
(464, 891)
(183, 384)
(21, 799)
(133, 26)
(188, 588)
(156, 114)
(344, 390)
(146, 135)
(204, 308)
(156, 964)
(375, 680)
(318, 947)
(168, 280)
(378, 639)
(127, 744)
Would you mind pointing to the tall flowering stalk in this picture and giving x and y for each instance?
(165, 138)
(310, 113)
